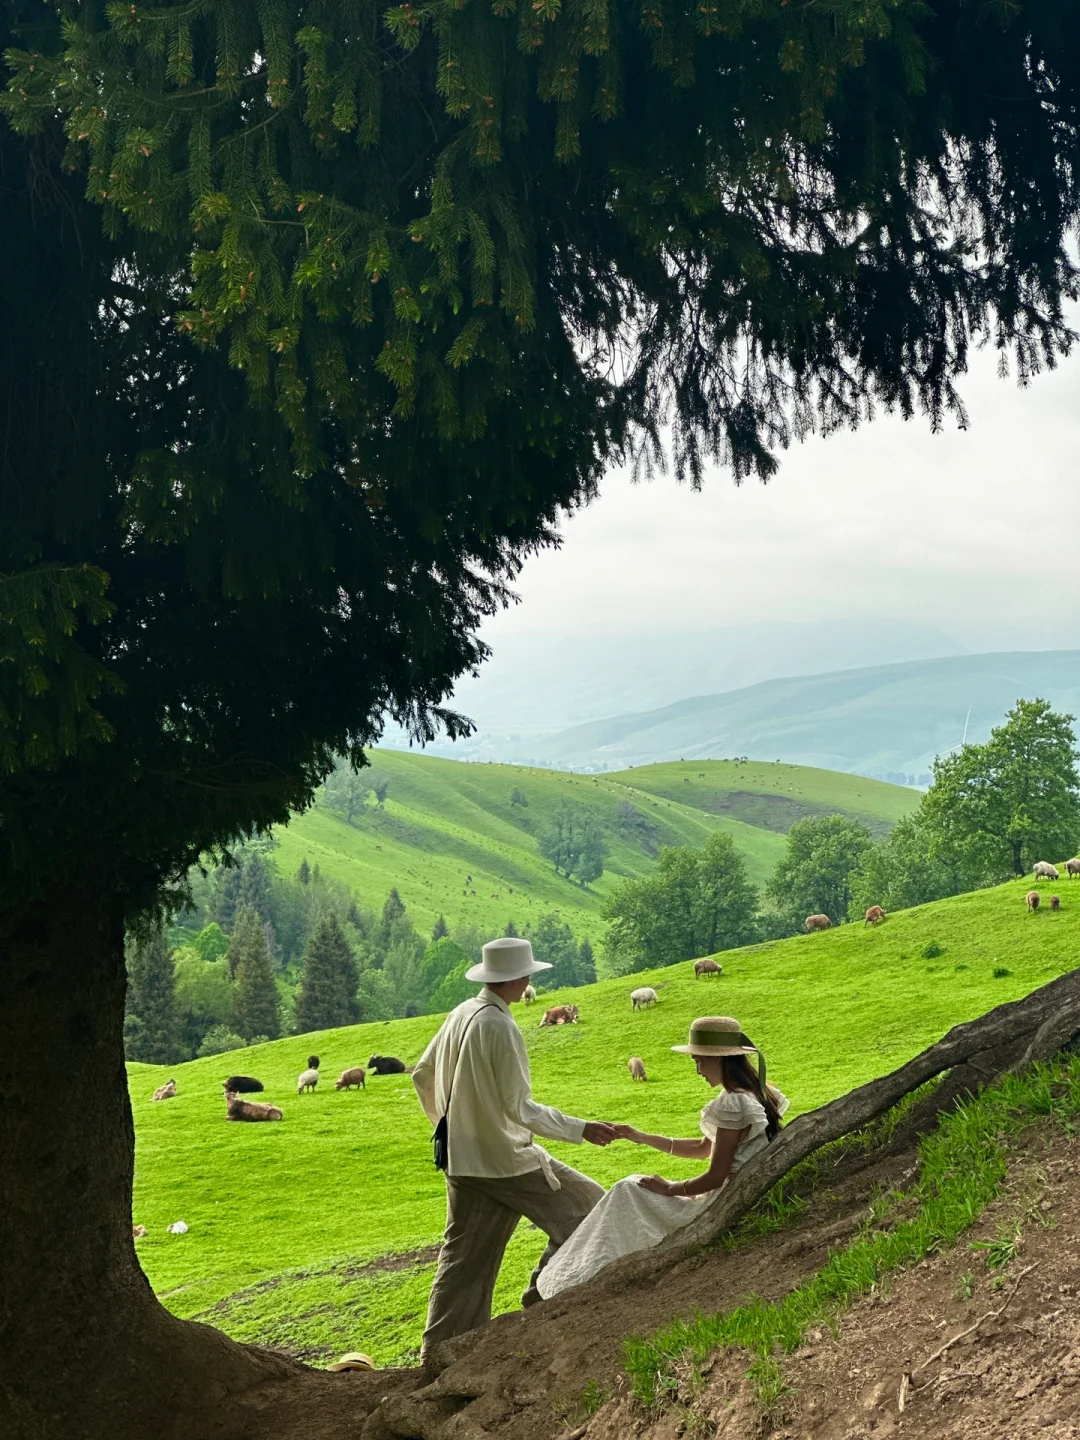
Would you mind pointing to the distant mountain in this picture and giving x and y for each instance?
(537, 684)
(886, 721)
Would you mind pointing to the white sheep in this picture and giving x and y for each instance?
(307, 1080)
(530, 994)
(639, 999)
(1043, 870)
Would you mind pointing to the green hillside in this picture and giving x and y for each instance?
(291, 1224)
(451, 840)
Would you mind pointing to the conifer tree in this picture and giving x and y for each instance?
(255, 887)
(327, 994)
(392, 911)
(511, 929)
(228, 881)
(586, 963)
(441, 929)
(304, 872)
(255, 1004)
(151, 999)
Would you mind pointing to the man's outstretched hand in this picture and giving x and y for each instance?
(599, 1132)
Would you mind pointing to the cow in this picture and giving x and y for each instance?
(874, 915)
(560, 1015)
(639, 999)
(1055, 903)
(386, 1065)
(1032, 899)
(237, 1109)
(165, 1092)
(818, 922)
(242, 1084)
(1043, 870)
(707, 967)
(348, 1078)
(636, 1066)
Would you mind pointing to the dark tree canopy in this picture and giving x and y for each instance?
(813, 877)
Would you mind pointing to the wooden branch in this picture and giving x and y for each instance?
(989, 1315)
(1049, 1016)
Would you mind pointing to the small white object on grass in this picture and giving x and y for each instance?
(178, 1227)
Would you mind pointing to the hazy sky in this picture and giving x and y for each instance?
(975, 531)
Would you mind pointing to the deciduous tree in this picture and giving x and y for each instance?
(813, 877)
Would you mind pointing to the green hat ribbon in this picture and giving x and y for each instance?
(700, 1036)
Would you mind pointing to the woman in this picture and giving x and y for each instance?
(642, 1210)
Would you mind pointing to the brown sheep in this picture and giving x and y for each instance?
(706, 967)
(818, 922)
(237, 1109)
(166, 1091)
(1032, 898)
(560, 1015)
(1055, 903)
(348, 1078)
(636, 1066)
(874, 916)
(1072, 867)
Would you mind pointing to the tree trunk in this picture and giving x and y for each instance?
(86, 1351)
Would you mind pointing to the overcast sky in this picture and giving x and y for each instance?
(975, 531)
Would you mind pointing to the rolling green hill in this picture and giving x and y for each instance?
(316, 1234)
(451, 840)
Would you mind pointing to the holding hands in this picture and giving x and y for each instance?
(600, 1132)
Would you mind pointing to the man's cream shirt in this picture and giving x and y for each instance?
(493, 1116)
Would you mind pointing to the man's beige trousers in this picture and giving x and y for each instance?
(481, 1215)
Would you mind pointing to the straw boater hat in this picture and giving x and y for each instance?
(507, 959)
(721, 1035)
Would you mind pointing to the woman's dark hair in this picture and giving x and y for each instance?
(737, 1074)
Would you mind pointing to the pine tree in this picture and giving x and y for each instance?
(151, 1002)
(228, 880)
(586, 963)
(441, 929)
(511, 929)
(393, 909)
(255, 998)
(327, 994)
(255, 887)
(304, 873)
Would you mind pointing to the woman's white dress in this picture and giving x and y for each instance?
(631, 1218)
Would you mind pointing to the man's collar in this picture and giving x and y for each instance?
(490, 998)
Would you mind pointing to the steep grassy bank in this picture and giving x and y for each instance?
(286, 1220)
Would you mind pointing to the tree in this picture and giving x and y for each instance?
(379, 787)
(518, 797)
(203, 996)
(995, 809)
(553, 941)
(152, 998)
(218, 1040)
(284, 426)
(255, 887)
(303, 874)
(440, 958)
(225, 897)
(255, 998)
(453, 989)
(694, 903)
(346, 790)
(813, 877)
(903, 871)
(440, 929)
(586, 964)
(511, 929)
(327, 994)
(211, 943)
(574, 843)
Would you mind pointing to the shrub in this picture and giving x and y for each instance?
(218, 1039)
(932, 951)
(1000, 972)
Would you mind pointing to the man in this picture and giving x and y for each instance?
(476, 1067)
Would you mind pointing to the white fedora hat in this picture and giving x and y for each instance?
(506, 959)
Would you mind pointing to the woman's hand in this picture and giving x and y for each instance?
(658, 1185)
(627, 1132)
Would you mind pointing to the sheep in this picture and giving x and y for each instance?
(306, 1080)
(1055, 903)
(1032, 899)
(386, 1065)
(636, 1066)
(530, 994)
(560, 1015)
(313, 1062)
(1043, 870)
(1072, 867)
(818, 922)
(707, 967)
(645, 996)
(348, 1078)
(874, 916)
(237, 1109)
(242, 1084)
(166, 1091)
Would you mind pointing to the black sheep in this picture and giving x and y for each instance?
(243, 1084)
(386, 1065)
(313, 1062)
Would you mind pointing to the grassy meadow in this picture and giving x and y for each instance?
(315, 1234)
(450, 839)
